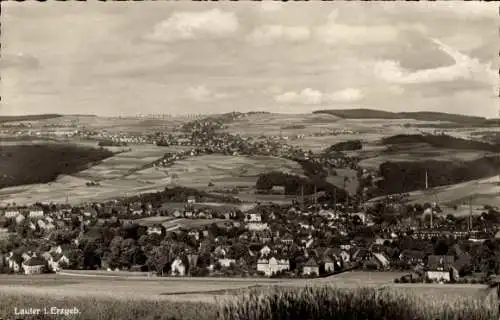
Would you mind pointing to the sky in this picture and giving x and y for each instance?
(130, 58)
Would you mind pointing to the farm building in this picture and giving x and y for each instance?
(191, 200)
(272, 266)
(441, 268)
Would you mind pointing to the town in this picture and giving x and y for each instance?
(267, 240)
(179, 232)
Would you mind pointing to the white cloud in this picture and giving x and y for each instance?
(349, 94)
(314, 97)
(271, 6)
(306, 96)
(465, 67)
(333, 32)
(202, 93)
(189, 25)
(268, 34)
(473, 10)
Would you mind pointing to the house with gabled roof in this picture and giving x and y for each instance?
(328, 264)
(34, 265)
(14, 261)
(273, 265)
(441, 268)
(311, 267)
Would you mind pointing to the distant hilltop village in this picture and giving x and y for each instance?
(163, 116)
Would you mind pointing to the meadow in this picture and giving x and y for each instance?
(312, 299)
(227, 171)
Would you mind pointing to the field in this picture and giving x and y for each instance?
(111, 174)
(133, 124)
(483, 192)
(369, 131)
(99, 295)
(422, 153)
(173, 224)
(124, 175)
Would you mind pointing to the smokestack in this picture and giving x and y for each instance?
(432, 213)
(426, 180)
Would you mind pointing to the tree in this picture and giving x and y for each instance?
(128, 251)
(115, 252)
(158, 258)
(76, 258)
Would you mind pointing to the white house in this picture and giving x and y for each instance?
(265, 251)
(253, 217)
(191, 200)
(310, 268)
(154, 230)
(257, 226)
(441, 268)
(195, 234)
(36, 214)
(12, 213)
(272, 266)
(14, 262)
(34, 265)
(225, 262)
(178, 268)
(329, 264)
(20, 218)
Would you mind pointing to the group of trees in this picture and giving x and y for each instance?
(350, 145)
(111, 143)
(441, 141)
(400, 177)
(28, 164)
(178, 194)
(294, 185)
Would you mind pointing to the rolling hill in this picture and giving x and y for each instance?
(421, 116)
(31, 117)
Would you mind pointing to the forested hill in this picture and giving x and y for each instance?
(421, 116)
(31, 117)
(441, 141)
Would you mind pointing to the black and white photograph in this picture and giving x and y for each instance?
(200, 160)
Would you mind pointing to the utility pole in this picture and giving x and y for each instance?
(470, 214)
(315, 196)
(335, 199)
(302, 197)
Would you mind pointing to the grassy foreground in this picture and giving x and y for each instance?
(302, 303)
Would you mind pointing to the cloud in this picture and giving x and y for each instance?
(19, 60)
(268, 34)
(270, 6)
(349, 94)
(473, 10)
(306, 96)
(334, 32)
(202, 93)
(464, 67)
(190, 25)
(313, 97)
